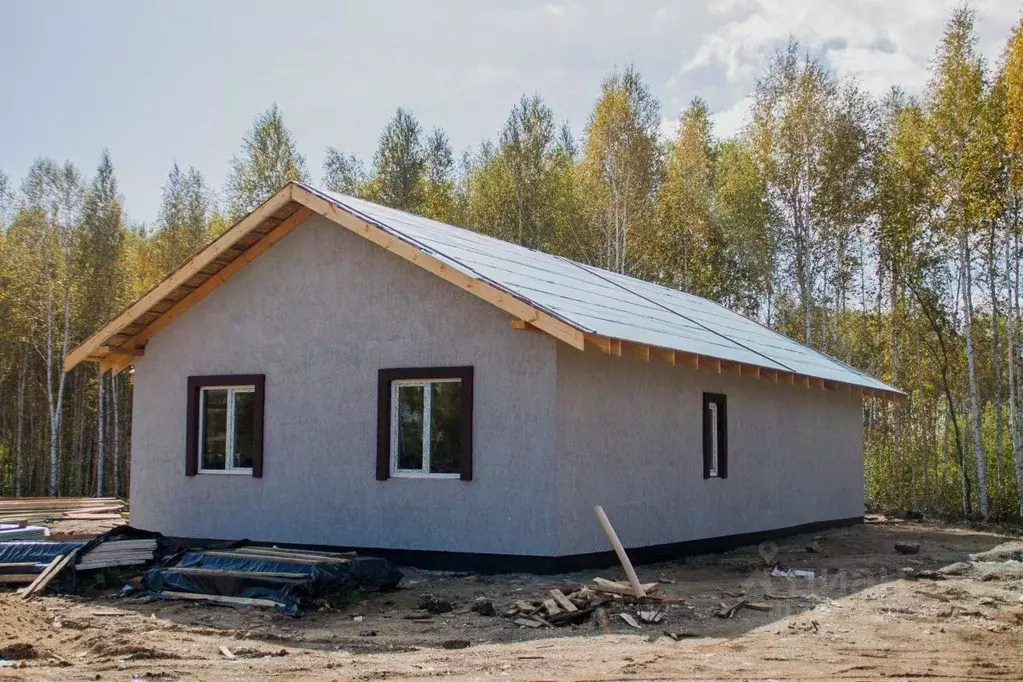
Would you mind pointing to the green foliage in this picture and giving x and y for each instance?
(269, 159)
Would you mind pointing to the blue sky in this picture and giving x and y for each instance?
(158, 82)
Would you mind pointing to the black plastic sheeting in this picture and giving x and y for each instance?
(291, 593)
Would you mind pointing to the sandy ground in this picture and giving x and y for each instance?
(867, 617)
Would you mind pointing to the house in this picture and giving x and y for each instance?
(382, 381)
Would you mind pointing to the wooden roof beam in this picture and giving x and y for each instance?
(665, 354)
(640, 350)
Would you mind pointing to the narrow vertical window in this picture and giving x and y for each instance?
(715, 436)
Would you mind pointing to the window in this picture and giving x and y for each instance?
(424, 425)
(225, 425)
(715, 436)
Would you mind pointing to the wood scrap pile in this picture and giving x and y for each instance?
(118, 553)
(573, 605)
(26, 510)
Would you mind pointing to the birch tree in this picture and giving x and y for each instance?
(955, 100)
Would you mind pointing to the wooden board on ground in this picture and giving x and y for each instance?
(18, 578)
(563, 601)
(226, 573)
(219, 598)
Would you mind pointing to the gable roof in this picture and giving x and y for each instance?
(576, 303)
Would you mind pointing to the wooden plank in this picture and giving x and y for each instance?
(731, 367)
(603, 343)
(337, 558)
(616, 544)
(303, 552)
(665, 354)
(226, 573)
(178, 277)
(292, 559)
(218, 598)
(689, 359)
(714, 364)
(523, 326)
(640, 350)
(209, 285)
(551, 607)
(17, 578)
(52, 570)
(563, 601)
(488, 292)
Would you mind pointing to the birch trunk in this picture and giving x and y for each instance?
(116, 454)
(996, 359)
(1010, 322)
(971, 366)
(100, 441)
(19, 456)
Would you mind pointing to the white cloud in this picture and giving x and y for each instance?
(878, 42)
(730, 121)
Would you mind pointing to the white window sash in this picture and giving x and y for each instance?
(713, 407)
(424, 384)
(230, 456)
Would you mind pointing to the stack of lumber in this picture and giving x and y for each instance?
(117, 553)
(268, 572)
(38, 509)
(569, 605)
(14, 531)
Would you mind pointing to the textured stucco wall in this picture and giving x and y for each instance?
(319, 314)
(630, 438)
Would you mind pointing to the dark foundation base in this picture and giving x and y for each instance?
(518, 563)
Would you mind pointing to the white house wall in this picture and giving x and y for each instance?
(319, 314)
(630, 438)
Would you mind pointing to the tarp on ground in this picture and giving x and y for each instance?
(310, 581)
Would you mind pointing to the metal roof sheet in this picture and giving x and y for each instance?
(606, 303)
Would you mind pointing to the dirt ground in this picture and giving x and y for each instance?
(869, 614)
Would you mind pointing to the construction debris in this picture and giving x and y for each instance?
(118, 553)
(285, 579)
(25, 510)
(629, 619)
(568, 606)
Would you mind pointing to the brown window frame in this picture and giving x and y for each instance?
(195, 386)
(384, 379)
(721, 401)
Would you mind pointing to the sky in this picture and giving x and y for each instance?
(164, 82)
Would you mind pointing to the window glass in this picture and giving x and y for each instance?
(244, 431)
(410, 428)
(445, 428)
(714, 442)
(214, 431)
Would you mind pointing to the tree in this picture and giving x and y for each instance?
(527, 148)
(269, 160)
(1012, 126)
(689, 241)
(955, 100)
(400, 164)
(439, 201)
(619, 174)
(342, 173)
(792, 114)
(184, 218)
